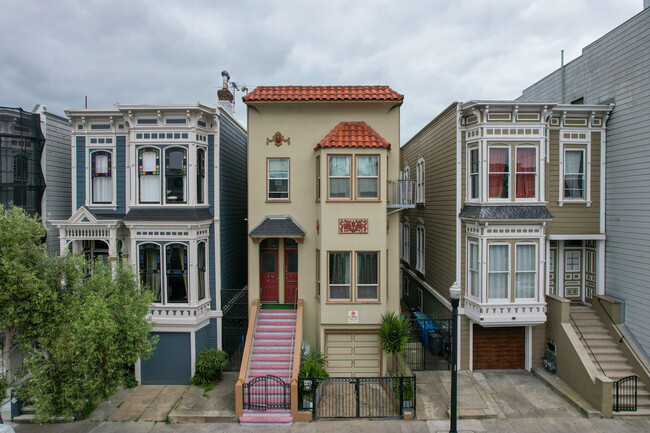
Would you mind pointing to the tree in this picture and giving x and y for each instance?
(103, 328)
(28, 286)
(394, 334)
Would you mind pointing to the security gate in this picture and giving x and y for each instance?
(266, 392)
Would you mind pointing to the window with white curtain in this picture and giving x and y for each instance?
(574, 174)
(339, 176)
(339, 276)
(498, 271)
(419, 181)
(367, 276)
(419, 248)
(102, 182)
(367, 176)
(473, 270)
(525, 270)
(150, 269)
(176, 269)
(149, 175)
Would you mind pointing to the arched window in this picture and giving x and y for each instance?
(200, 175)
(419, 182)
(102, 183)
(150, 269)
(176, 260)
(406, 190)
(149, 175)
(200, 260)
(175, 175)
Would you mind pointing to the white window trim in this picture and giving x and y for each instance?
(356, 278)
(268, 180)
(420, 181)
(192, 291)
(195, 264)
(468, 293)
(468, 188)
(509, 273)
(357, 177)
(162, 268)
(487, 174)
(537, 170)
(536, 279)
(163, 173)
(205, 174)
(161, 155)
(420, 245)
(90, 149)
(406, 242)
(349, 177)
(575, 144)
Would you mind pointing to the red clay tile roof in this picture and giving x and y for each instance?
(323, 93)
(353, 134)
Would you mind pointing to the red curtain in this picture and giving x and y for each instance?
(499, 171)
(526, 167)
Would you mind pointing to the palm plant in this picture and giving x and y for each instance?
(394, 335)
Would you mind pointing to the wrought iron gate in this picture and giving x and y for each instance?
(267, 392)
(625, 394)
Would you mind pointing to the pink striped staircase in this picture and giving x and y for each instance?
(272, 354)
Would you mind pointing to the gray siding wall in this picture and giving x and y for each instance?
(58, 178)
(233, 206)
(81, 171)
(202, 337)
(170, 363)
(617, 66)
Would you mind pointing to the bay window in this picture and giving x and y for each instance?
(149, 175)
(175, 175)
(473, 270)
(525, 270)
(367, 276)
(498, 271)
(339, 276)
(102, 182)
(499, 172)
(574, 174)
(368, 176)
(150, 269)
(278, 179)
(474, 179)
(339, 177)
(526, 172)
(176, 255)
(200, 262)
(200, 175)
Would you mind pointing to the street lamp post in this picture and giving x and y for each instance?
(454, 295)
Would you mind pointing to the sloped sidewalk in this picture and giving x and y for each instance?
(216, 405)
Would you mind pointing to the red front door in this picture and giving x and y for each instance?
(291, 276)
(269, 275)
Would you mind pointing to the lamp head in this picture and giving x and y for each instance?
(454, 291)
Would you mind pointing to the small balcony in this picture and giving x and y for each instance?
(179, 314)
(400, 195)
(506, 313)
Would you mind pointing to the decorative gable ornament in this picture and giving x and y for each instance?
(353, 225)
(278, 139)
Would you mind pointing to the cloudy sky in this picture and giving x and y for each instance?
(148, 52)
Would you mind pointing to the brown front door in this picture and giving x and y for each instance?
(573, 274)
(269, 275)
(290, 276)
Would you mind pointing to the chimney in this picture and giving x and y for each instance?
(226, 98)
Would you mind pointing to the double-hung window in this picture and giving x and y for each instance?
(498, 271)
(367, 276)
(201, 268)
(102, 183)
(419, 181)
(526, 172)
(419, 248)
(339, 176)
(339, 276)
(525, 270)
(499, 173)
(200, 175)
(474, 174)
(574, 174)
(278, 178)
(473, 270)
(150, 269)
(318, 178)
(149, 175)
(175, 175)
(176, 255)
(367, 177)
(406, 242)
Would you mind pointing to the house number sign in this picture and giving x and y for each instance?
(353, 225)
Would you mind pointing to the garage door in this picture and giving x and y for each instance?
(352, 355)
(170, 363)
(498, 348)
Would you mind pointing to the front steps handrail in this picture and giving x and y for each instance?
(623, 338)
(582, 337)
(297, 344)
(246, 357)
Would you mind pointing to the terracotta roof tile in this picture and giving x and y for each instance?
(323, 93)
(353, 134)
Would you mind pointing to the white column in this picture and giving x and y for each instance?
(600, 272)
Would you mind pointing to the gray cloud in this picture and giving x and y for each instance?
(434, 52)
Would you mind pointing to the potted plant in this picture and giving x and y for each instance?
(394, 335)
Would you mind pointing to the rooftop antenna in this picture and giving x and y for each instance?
(86, 102)
(235, 86)
(563, 77)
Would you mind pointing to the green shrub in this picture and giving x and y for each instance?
(407, 386)
(129, 379)
(209, 365)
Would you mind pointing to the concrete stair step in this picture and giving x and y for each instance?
(26, 410)
(29, 418)
(609, 357)
(275, 322)
(638, 412)
(273, 335)
(605, 350)
(271, 358)
(273, 342)
(272, 350)
(274, 329)
(271, 366)
(593, 336)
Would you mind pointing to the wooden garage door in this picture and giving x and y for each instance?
(498, 348)
(352, 355)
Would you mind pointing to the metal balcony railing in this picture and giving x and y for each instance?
(400, 194)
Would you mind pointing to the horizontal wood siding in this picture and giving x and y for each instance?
(538, 345)
(437, 143)
(201, 339)
(616, 66)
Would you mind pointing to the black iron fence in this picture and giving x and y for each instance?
(430, 345)
(267, 392)
(234, 325)
(357, 397)
(624, 396)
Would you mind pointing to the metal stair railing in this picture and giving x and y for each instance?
(623, 338)
(582, 337)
